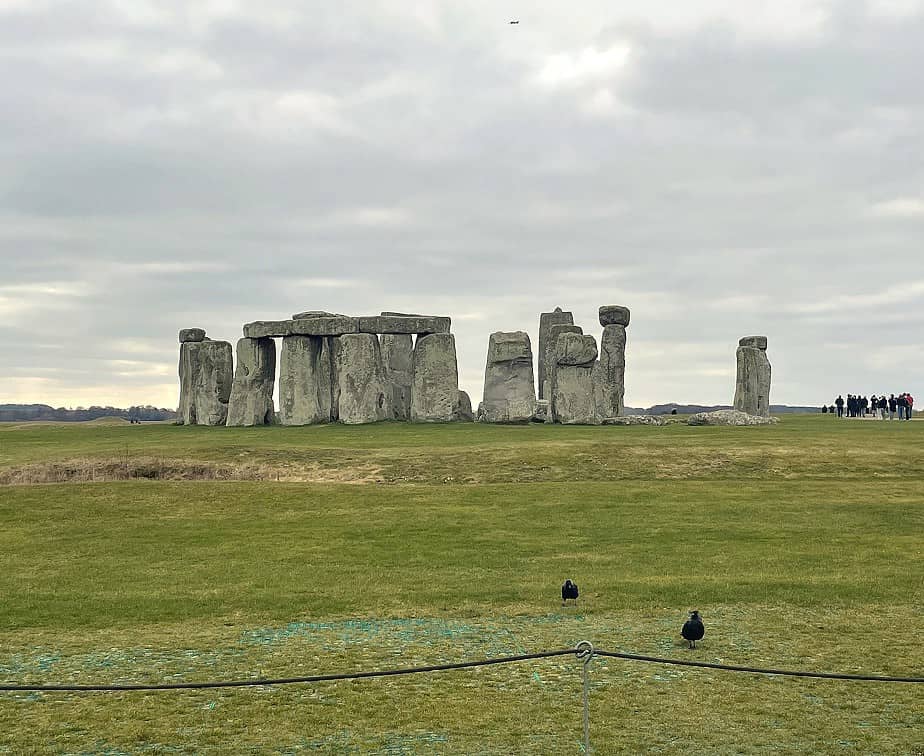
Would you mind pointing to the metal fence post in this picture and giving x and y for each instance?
(585, 652)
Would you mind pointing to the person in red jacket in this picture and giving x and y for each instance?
(909, 401)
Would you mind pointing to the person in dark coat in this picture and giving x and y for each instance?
(839, 403)
(693, 629)
(569, 591)
(893, 404)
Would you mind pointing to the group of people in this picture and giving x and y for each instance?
(879, 407)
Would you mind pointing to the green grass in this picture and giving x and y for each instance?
(801, 544)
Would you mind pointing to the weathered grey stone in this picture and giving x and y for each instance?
(251, 401)
(361, 378)
(331, 354)
(308, 314)
(614, 315)
(205, 371)
(758, 342)
(633, 420)
(752, 382)
(546, 321)
(509, 389)
(543, 412)
(611, 389)
(463, 412)
(729, 417)
(319, 325)
(190, 335)
(398, 363)
(575, 349)
(574, 400)
(554, 332)
(404, 324)
(304, 381)
(435, 390)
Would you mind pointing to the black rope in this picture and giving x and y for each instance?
(457, 665)
(290, 680)
(759, 670)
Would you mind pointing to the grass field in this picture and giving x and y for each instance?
(171, 554)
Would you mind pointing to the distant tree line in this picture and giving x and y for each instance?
(141, 413)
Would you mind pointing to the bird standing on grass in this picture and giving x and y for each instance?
(569, 591)
(693, 629)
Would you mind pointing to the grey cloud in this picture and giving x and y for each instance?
(190, 170)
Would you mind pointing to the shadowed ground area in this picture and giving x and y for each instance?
(800, 545)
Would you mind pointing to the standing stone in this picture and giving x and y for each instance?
(331, 355)
(576, 374)
(509, 389)
(463, 412)
(546, 321)
(205, 371)
(251, 400)
(398, 361)
(554, 332)
(304, 381)
(435, 389)
(361, 379)
(752, 384)
(612, 373)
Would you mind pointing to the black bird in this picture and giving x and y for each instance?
(693, 629)
(569, 591)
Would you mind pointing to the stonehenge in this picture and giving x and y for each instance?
(752, 383)
(332, 368)
(574, 386)
(403, 367)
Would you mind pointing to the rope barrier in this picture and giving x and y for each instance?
(584, 651)
(759, 670)
(290, 680)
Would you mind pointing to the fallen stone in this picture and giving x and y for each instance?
(729, 417)
(404, 324)
(251, 401)
(398, 363)
(614, 315)
(435, 389)
(509, 389)
(612, 374)
(313, 326)
(205, 371)
(633, 420)
(304, 381)
(752, 380)
(546, 344)
(191, 335)
(361, 378)
(542, 413)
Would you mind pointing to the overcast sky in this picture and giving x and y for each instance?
(721, 167)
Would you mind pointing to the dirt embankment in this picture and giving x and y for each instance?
(151, 468)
